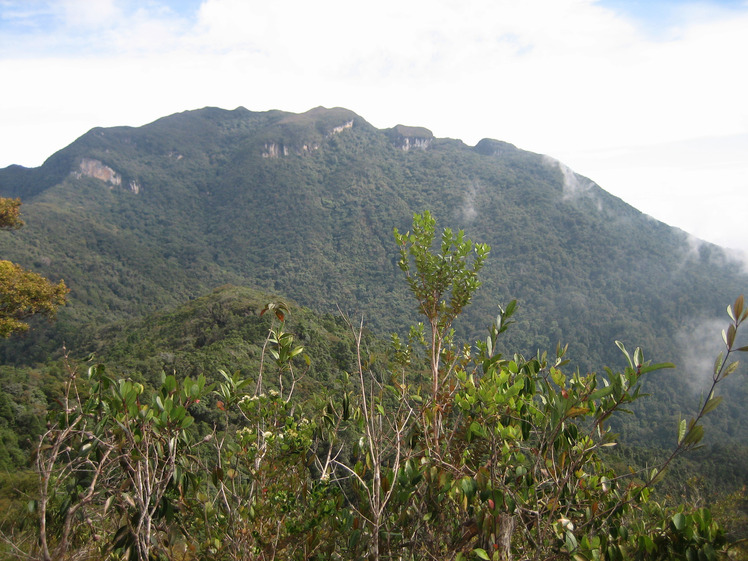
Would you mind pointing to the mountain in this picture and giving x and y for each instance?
(222, 330)
(303, 205)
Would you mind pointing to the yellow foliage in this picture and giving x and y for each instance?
(10, 215)
(23, 293)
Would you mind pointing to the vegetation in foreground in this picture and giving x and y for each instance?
(438, 450)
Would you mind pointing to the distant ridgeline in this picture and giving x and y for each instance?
(143, 219)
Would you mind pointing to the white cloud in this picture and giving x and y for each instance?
(699, 344)
(699, 185)
(89, 14)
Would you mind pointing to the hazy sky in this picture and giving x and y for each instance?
(647, 98)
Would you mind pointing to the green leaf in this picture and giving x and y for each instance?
(729, 336)
(481, 553)
(468, 486)
(647, 542)
(477, 429)
(194, 391)
(679, 521)
(718, 362)
(170, 384)
(681, 430)
(659, 366)
(738, 306)
(709, 552)
(571, 541)
(625, 352)
(558, 378)
(602, 392)
(695, 434)
(178, 413)
(657, 476)
(732, 367)
(712, 403)
(638, 357)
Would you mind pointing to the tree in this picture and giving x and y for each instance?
(10, 213)
(506, 457)
(23, 293)
(112, 465)
(260, 498)
(443, 284)
(384, 418)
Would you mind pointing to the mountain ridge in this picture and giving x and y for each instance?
(312, 218)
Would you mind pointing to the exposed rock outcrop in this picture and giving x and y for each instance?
(491, 147)
(274, 150)
(341, 128)
(89, 167)
(411, 137)
(292, 127)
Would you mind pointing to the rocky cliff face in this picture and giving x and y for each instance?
(94, 168)
(277, 149)
(90, 167)
(491, 147)
(411, 137)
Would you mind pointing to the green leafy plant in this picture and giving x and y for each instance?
(516, 465)
(113, 458)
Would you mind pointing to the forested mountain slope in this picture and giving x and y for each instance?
(137, 219)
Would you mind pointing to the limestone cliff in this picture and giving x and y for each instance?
(90, 167)
(411, 137)
(306, 133)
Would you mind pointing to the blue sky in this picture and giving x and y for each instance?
(654, 14)
(647, 98)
